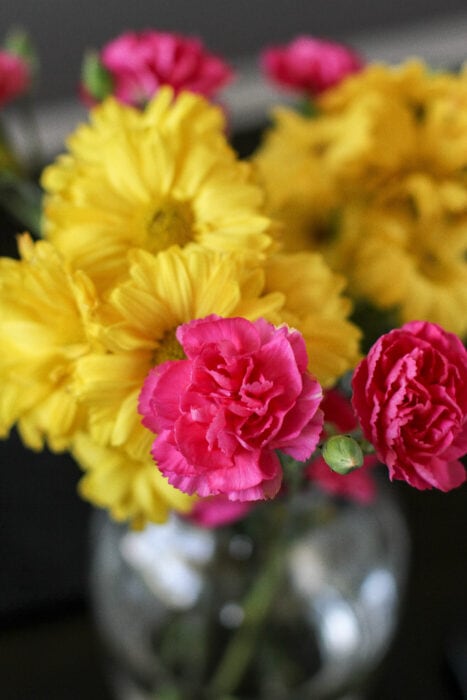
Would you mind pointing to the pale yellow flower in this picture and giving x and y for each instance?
(131, 489)
(299, 192)
(377, 182)
(151, 179)
(408, 252)
(315, 306)
(45, 317)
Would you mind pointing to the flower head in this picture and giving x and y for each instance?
(151, 179)
(309, 64)
(376, 182)
(45, 313)
(241, 393)
(315, 306)
(410, 395)
(15, 76)
(125, 484)
(140, 63)
(136, 328)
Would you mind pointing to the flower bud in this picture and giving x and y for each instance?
(342, 453)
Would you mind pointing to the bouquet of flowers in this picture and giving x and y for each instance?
(213, 336)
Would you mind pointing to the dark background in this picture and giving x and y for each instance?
(63, 29)
(48, 646)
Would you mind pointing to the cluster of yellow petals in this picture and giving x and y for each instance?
(45, 314)
(150, 179)
(377, 182)
(86, 314)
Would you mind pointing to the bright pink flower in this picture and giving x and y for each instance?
(140, 62)
(15, 76)
(220, 415)
(410, 395)
(357, 485)
(310, 65)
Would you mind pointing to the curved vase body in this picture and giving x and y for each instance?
(167, 600)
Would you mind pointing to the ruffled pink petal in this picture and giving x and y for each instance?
(159, 397)
(195, 335)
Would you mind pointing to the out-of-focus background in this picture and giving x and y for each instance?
(49, 650)
(63, 30)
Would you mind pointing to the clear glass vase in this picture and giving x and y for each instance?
(311, 620)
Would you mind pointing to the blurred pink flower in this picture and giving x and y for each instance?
(358, 485)
(140, 62)
(309, 65)
(216, 511)
(220, 415)
(15, 76)
(410, 395)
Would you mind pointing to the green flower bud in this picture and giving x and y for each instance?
(342, 453)
(95, 77)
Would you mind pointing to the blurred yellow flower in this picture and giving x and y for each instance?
(45, 319)
(314, 305)
(131, 489)
(377, 182)
(150, 180)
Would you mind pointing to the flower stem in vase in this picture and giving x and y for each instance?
(259, 599)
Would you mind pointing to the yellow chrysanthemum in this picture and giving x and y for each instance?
(315, 306)
(132, 489)
(44, 316)
(408, 251)
(299, 192)
(150, 180)
(137, 331)
(377, 182)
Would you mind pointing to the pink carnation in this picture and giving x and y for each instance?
(140, 63)
(410, 394)
(310, 65)
(220, 415)
(15, 77)
(357, 485)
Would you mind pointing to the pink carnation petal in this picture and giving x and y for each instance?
(195, 335)
(309, 64)
(242, 393)
(269, 487)
(140, 62)
(158, 400)
(410, 394)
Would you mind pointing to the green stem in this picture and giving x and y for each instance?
(256, 606)
(260, 597)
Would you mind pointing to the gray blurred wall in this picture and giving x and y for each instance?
(62, 29)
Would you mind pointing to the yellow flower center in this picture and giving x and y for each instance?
(171, 224)
(432, 267)
(168, 349)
